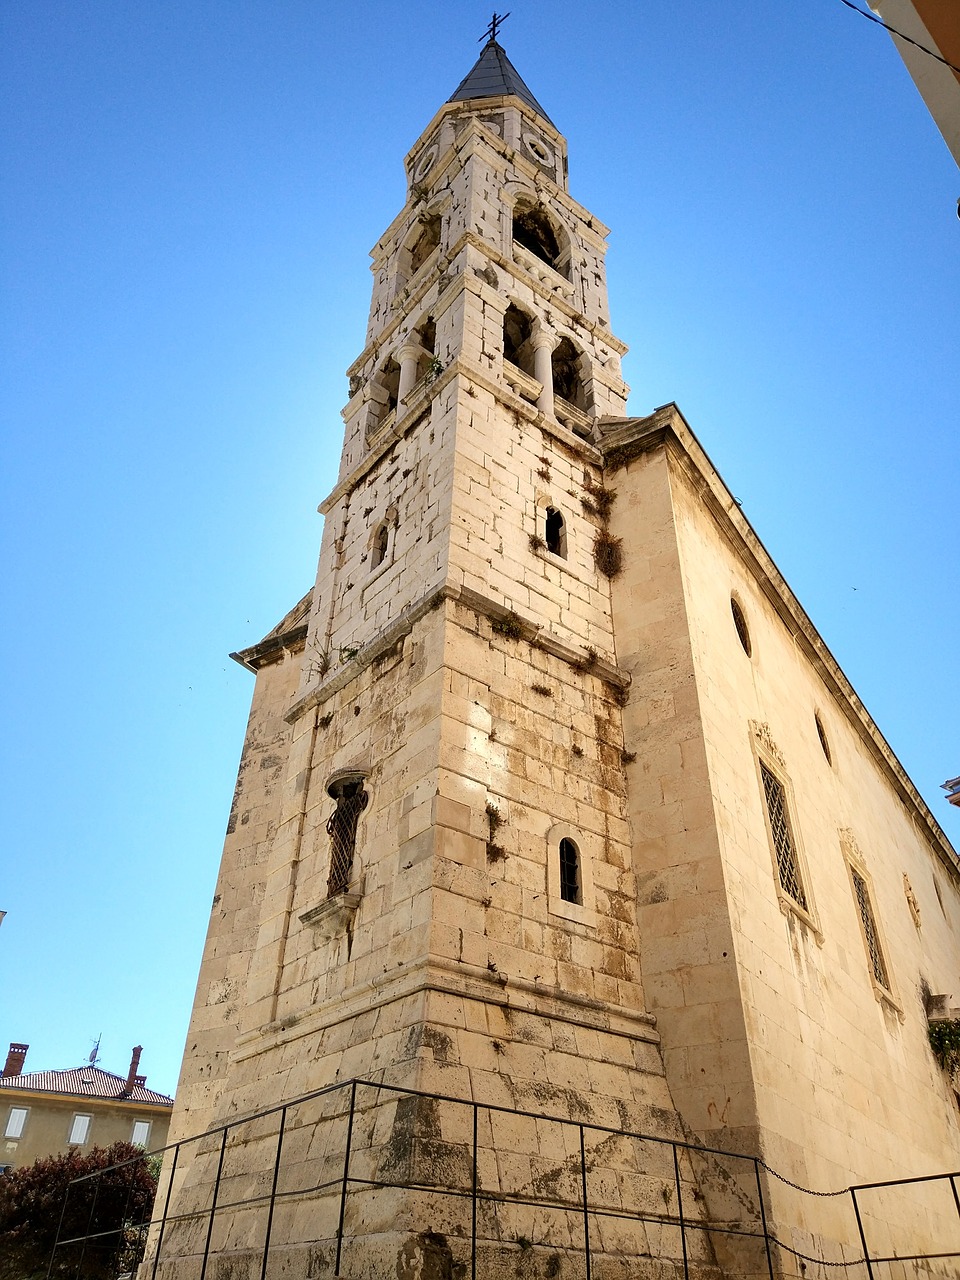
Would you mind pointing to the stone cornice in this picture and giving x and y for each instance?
(666, 428)
(271, 649)
(482, 605)
(468, 981)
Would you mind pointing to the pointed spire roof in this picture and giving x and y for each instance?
(492, 76)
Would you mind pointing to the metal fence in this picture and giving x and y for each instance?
(485, 1178)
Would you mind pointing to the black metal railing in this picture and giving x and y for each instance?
(603, 1189)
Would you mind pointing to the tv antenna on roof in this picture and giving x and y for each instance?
(95, 1051)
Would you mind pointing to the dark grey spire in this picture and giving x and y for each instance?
(492, 76)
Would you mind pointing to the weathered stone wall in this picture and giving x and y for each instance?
(222, 991)
(777, 1037)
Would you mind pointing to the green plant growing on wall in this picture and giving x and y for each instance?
(508, 626)
(608, 554)
(944, 1036)
(495, 852)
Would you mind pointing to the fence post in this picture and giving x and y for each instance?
(863, 1238)
(473, 1219)
(273, 1194)
(56, 1238)
(88, 1233)
(586, 1203)
(213, 1203)
(763, 1217)
(166, 1210)
(683, 1229)
(346, 1172)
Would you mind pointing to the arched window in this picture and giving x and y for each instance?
(570, 886)
(426, 335)
(567, 378)
(425, 243)
(381, 545)
(533, 230)
(517, 328)
(342, 829)
(384, 393)
(555, 533)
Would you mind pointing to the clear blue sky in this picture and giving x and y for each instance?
(189, 194)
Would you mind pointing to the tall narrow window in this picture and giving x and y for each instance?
(342, 829)
(79, 1130)
(555, 534)
(788, 866)
(870, 934)
(740, 622)
(381, 544)
(570, 887)
(15, 1122)
(822, 735)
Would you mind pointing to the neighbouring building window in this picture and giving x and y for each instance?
(141, 1133)
(871, 935)
(15, 1122)
(79, 1129)
(555, 533)
(784, 844)
(570, 888)
(342, 828)
(740, 622)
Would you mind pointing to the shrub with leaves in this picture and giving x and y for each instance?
(945, 1042)
(109, 1208)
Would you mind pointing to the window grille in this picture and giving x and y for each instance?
(570, 890)
(783, 842)
(342, 828)
(877, 962)
(822, 735)
(740, 622)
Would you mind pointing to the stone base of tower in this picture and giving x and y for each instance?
(467, 1154)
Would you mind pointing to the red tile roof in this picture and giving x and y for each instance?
(84, 1082)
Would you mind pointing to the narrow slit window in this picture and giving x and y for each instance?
(555, 533)
(571, 889)
(788, 866)
(342, 829)
(822, 735)
(870, 933)
(740, 622)
(381, 545)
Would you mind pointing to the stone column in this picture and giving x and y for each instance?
(408, 355)
(543, 344)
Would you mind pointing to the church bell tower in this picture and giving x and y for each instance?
(427, 882)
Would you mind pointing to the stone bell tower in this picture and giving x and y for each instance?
(427, 880)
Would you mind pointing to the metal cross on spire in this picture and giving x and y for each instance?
(495, 22)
